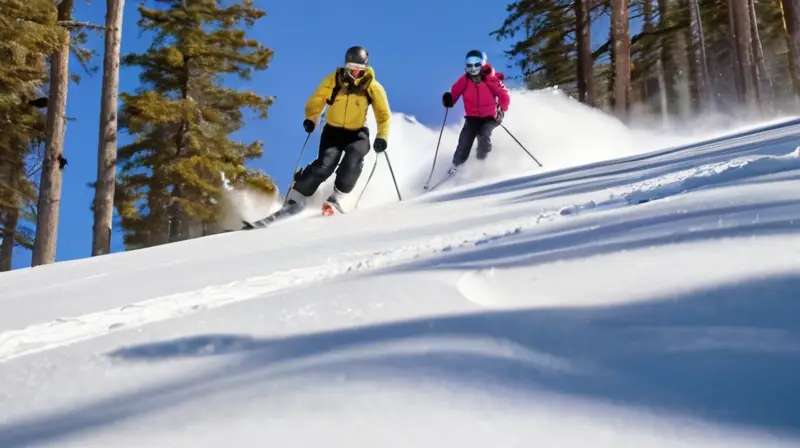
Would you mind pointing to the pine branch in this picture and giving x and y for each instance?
(72, 25)
(606, 46)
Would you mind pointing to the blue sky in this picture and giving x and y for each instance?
(416, 48)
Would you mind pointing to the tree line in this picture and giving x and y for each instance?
(165, 184)
(690, 57)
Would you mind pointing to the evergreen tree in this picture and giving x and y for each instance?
(28, 34)
(547, 52)
(182, 119)
(684, 60)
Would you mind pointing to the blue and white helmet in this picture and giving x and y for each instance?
(475, 61)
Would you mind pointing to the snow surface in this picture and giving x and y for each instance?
(639, 290)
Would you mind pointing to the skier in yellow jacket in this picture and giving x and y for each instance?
(348, 92)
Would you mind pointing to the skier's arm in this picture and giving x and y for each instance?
(316, 102)
(380, 108)
(500, 91)
(458, 88)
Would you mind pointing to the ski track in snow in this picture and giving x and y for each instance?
(65, 331)
(680, 182)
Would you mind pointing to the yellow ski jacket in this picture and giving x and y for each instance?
(349, 108)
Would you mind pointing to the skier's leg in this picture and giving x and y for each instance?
(353, 161)
(307, 180)
(465, 140)
(485, 138)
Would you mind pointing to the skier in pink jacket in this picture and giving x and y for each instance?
(486, 100)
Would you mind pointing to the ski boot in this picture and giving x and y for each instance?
(333, 203)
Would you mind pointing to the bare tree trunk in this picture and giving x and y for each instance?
(620, 35)
(699, 58)
(758, 53)
(790, 9)
(744, 51)
(662, 91)
(586, 93)
(107, 142)
(10, 217)
(737, 74)
(10, 222)
(44, 246)
(671, 52)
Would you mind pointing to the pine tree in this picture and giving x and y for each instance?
(28, 34)
(553, 50)
(183, 117)
(546, 54)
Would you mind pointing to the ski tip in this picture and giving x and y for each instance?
(247, 226)
(327, 210)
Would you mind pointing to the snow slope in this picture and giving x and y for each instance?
(631, 293)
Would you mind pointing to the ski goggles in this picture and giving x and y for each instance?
(473, 65)
(356, 70)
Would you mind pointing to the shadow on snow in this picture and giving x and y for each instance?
(728, 354)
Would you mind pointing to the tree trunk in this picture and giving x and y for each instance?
(9, 228)
(9, 216)
(737, 74)
(790, 9)
(743, 39)
(586, 93)
(699, 58)
(671, 52)
(622, 57)
(758, 53)
(44, 246)
(107, 141)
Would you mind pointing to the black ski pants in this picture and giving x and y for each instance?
(334, 142)
(475, 127)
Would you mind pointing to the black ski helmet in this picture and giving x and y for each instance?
(356, 55)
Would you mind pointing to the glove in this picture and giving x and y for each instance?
(379, 145)
(500, 115)
(308, 125)
(447, 100)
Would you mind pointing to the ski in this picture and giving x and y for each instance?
(286, 211)
(446, 177)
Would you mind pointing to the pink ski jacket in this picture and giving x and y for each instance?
(482, 99)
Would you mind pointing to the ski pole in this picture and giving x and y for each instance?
(374, 165)
(394, 179)
(300, 157)
(297, 164)
(520, 144)
(436, 154)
